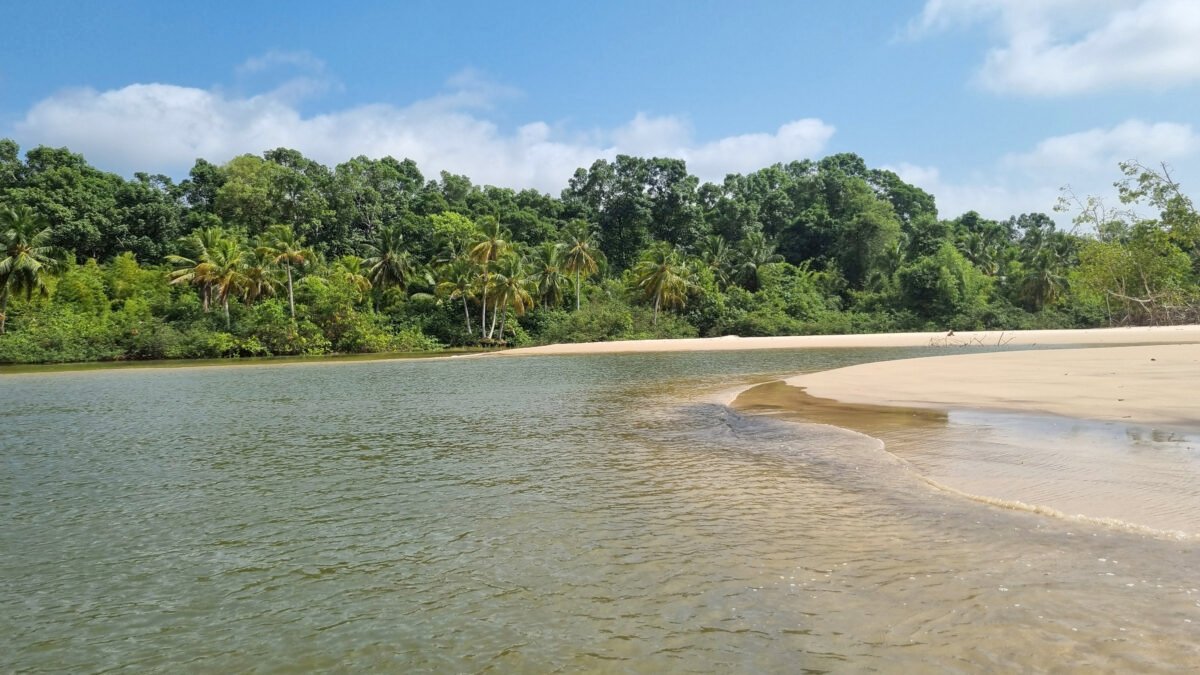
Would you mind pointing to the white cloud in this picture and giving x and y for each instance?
(275, 59)
(164, 128)
(1086, 151)
(672, 137)
(994, 195)
(1086, 161)
(1059, 47)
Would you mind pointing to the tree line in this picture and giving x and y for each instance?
(279, 254)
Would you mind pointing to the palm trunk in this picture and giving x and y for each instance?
(503, 321)
(225, 304)
(492, 330)
(291, 298)
(577, 290)
(657, 299)
(466, 314)
(3, 310)
(205, 294)
(483, 308)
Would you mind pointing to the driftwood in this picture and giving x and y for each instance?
(981, 340)
(1155, 309)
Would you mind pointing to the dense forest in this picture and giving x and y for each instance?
(278, 254)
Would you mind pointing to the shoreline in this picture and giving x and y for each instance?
(1137, 335)
(1080, 338)
(76, 367)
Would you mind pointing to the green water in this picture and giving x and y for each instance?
(594, 513)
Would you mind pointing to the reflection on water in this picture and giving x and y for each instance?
(535, 514)
(1117, 474)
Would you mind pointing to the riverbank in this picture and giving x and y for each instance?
(236, 362)
(1095, 336)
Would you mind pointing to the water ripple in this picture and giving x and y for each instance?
(558, 514)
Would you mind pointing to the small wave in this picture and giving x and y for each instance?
(1017, 505)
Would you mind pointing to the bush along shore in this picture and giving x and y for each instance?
(276, 254)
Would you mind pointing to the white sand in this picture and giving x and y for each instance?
(1098, 336)
(1157, 384)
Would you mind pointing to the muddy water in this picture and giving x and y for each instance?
(528, 515)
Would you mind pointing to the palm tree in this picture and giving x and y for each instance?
(197, 271)
(1044, 279)
(388, 264)
(581, 253)
(547, 274)
(350, 269)
(663, 276)
(512, 285)
(484, 253)
(982, 250)
(457, 281)
(226, 273)
(27, 256)
(753, 252)
(260, 272)
(287, 249)
(717, 256)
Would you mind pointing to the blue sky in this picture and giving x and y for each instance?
(989, 104)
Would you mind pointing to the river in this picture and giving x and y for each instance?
(597, 513)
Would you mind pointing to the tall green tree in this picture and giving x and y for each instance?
(227, 272)
(457, 281)
(718, 256)
(512, 287)
(261, 274)
(352, 271)
(287, 250)
(548, 274)
(752, 253)
(388, 262)
(492, 244)
(663, 277)
(581, 256)
(197, 270)
(28, 256)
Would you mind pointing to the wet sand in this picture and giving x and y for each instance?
(1112, 474)
(1097, 336)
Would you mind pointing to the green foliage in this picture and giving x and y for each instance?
(598, 321)
(82, 288)
(942, 286)
(1147, 280)
(57, 336)
(277, 254)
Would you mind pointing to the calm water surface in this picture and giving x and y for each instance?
(595, 513)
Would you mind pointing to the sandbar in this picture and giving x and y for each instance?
(1147, 384)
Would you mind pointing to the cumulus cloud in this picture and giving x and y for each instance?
(1029, 181)
(993, 194)
(1060, 47)
(165, 127)
(1086, 151)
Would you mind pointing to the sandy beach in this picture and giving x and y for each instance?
(1154, 384)
(1095, 336)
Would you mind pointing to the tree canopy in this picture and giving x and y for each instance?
(276, 254)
